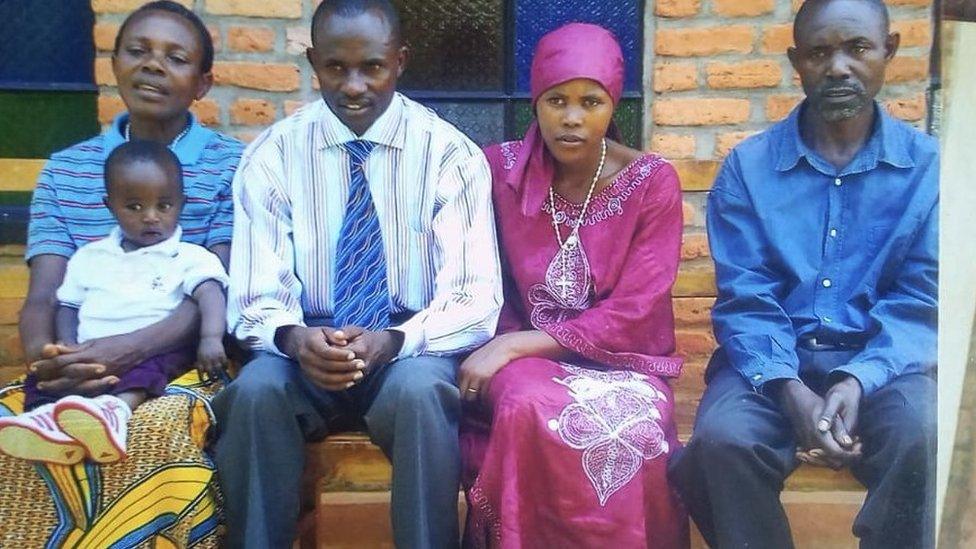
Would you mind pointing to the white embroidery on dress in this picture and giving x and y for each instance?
(567, 287)
(615, 421)
(610, 201)
(509, 151)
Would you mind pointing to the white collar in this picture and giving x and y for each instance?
(168, 247)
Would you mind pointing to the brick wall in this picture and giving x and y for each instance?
(720, 72)
(718, 69)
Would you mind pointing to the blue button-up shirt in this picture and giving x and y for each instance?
(803, 250)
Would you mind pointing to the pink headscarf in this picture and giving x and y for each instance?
(576, 50)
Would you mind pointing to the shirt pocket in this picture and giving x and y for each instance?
(877, 236)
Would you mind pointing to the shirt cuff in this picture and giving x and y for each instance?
(414, 336)
(759, 373)
(266, 331)
(870, 377)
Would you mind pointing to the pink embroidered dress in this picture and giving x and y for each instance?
(574, 454)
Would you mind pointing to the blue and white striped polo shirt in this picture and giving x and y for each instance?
(67, 210)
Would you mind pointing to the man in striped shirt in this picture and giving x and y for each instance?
(364, 259)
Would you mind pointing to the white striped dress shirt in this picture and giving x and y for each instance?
(431, 187)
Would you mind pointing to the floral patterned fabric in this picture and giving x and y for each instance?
(164, 495)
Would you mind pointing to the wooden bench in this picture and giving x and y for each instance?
(347, 479)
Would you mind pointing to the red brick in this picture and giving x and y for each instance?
(256, 8)
(688, 213)
(693, 311)
(910, 109)
(724, 142)
(670, 77)
(258, 76)
(103, 72)
(109, 106)
(694, 246)
(777, 38)
(760, 73)
(695, 342)
(297, 40)
(677, 8)
(207, 112)
(126, 6)
(104, 34)
(700, 112)
(671, 145)
(742, 8)
(704, 41)
(780, 105)
(251, 39)
(916, 32)
(215, 37)
(252, 112)
(291, 106)
(907, 69)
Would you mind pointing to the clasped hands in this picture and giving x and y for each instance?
(337, 359)
(90, 368)
(824, 427)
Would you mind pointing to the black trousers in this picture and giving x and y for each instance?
(731, 473)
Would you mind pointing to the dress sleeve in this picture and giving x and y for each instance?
(633, 327)
(265, 294)
(750, 324)
(47, 232)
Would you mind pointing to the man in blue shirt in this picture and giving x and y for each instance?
(824, 231)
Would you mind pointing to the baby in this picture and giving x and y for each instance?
(134, 277)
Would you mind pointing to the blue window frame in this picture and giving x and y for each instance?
(470, 59)
(48, 96)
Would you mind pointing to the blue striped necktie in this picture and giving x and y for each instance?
(362, 297)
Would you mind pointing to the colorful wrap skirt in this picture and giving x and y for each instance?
(164, 495)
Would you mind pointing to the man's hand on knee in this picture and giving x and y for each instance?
(374, 349)
(804, 408)
(839, 414)
(323, 354)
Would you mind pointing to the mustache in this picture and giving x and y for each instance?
(845, 87)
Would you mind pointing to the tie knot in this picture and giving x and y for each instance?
(359, 151)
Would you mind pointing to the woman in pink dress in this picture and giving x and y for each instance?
(570, 418)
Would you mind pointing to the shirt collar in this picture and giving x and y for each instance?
(887, 143)
(168, 247)
(388, 129)
(188, 149)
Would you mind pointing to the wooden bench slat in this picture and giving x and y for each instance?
(353, 464)
(19, 174)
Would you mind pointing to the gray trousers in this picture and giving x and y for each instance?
(266, 415)
(732, 471)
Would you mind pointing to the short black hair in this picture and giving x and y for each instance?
(350, 8)
(206, 41)
(811, 7)
(132, 152)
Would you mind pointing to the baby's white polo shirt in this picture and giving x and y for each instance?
(118, 292)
